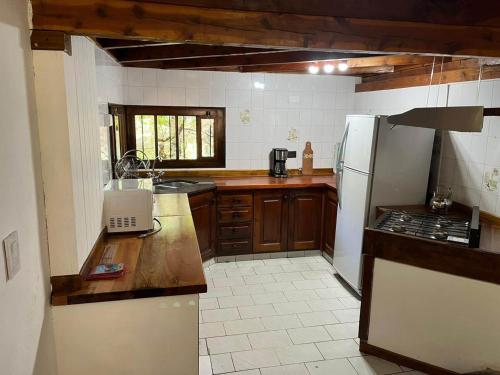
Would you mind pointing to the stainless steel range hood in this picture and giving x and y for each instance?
(462, 119)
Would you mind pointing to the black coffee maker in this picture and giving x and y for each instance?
(277, 159)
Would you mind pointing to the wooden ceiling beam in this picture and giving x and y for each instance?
(452, 73)
(179, 51)
(208, 25)
(449, 12)
(303, 68)
(260, 58)
(112, 44)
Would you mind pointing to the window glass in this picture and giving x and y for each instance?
(207, 138)
(167, 138)
(187, 137)
(145, 134)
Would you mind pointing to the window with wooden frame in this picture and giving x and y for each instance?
(181, 137)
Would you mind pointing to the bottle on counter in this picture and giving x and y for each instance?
(307, 160)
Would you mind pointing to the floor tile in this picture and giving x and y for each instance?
(332, 292)
(268, 269)
(211, 330)
(227, 344)
(217, 292)
(221, 265)
(291, 307)
(220, 315)
(248, 289)
(297, 369)
(252, 359)
(279, 287)
(298, 354)
(236, 327)
(271, 339)
(370, 365)
(205, 367)
(343, 330)
(308, 335)
(288, 276)
(296, 267)
(202, 347)
(281, 322)
(321, 266)
(323, 304)
(246, 372)
(276, 261)
(350, 302)
(250, 263)
(235, 301)
(240, 272)
(317, 274)
(317, 318)
(208, 304)
(347, 316)
(309, 284)
(256, 311)
(300, 295)
(258, 279)
(339, 349)
(332, 283)
(228, 281)
(274, 297)
(221, 363)
(332, 367)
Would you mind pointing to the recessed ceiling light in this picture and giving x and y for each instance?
(343, 67)
(259, 85)
(313, 69)
(328, 68)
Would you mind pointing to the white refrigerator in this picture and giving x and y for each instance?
(377, 164)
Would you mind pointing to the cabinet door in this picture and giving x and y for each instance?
(330, 219)
(304, 230)
(270, 221)
(203, 213)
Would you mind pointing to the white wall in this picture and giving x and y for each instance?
(70, 152)
(315, 106)
(468, 159)
(26, 342)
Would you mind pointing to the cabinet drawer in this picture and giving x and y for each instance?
(234, 247)
(236, 215)
(235, 231)
(231, 200)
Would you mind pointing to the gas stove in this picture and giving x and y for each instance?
(433, 226)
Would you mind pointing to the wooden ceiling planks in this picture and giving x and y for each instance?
(434, 28)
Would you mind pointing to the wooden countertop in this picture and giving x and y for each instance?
(266, 182)
(166, 263)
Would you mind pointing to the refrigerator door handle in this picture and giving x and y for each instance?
(340, 165)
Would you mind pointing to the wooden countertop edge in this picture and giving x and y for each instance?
(64, 300)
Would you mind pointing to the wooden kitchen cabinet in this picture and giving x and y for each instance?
(305, 219)
(234, 223)
(203, 213)
(271, 221)
(330, 222)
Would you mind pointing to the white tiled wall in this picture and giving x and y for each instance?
(315, 106)
(468, 159)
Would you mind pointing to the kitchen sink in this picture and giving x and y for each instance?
(175, 184)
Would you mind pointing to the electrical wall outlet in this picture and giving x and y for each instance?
(12, 256)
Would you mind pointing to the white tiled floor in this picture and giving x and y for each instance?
(281, 316)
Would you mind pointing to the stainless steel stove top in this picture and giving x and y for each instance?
(426, 225)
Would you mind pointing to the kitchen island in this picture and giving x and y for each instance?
(432, 305)
(145, 322)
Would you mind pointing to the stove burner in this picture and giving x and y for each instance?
(398, 228)
(406, 218)
(443, 223)
(440, 234)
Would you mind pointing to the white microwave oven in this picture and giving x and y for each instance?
(128, 205)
